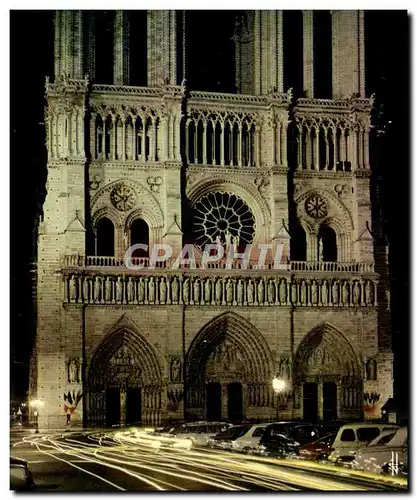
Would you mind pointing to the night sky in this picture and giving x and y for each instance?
(387, 75)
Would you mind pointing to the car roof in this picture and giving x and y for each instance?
(369, 424)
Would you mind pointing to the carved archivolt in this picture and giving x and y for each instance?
(326, 352)
(142, 199)
(108, 212)
(235, 344)
(124, 356)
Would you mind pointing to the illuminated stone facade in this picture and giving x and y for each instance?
(152, 344)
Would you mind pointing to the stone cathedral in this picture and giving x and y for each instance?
(138, 153)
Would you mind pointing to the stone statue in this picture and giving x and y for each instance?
(72, 370)
(303, 293)
(141, 290)
(236, 242)
(229, 291)
(314, 292)
(73, 289)
(368, 293)
(345, 294)
(107, 289)
(356, 293)
(371, 369)
(283, 291)
(130, 290)
(335, 292)
(97, 289)
(207, 290)
(219, 241)
(293, 292)
(228, 238)
(218, 290)
(240, 292)
(162, 291)
(197, 291)
(151, 290)
(175, 370)
(250, 292)
(320, 250)
(174, 290)
(86, 287)
(271, 291)
(119, 289)
(261, 290)
(325, 293)
(186, 291)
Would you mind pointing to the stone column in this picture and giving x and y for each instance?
(317, 148)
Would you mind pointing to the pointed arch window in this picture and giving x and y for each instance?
(298, 247)
(327, 244)
(105, 237)
(139, 233)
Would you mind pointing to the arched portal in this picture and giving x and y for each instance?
(327, 377)
(124, 381)
(229, 370)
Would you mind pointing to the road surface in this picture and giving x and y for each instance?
(135, 461)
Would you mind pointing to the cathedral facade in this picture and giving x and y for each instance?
(169, 167)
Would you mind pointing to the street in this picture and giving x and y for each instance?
(127, 460)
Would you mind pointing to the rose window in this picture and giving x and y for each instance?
(222, 215)
(316, 207)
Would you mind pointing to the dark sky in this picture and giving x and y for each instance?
(31, 56)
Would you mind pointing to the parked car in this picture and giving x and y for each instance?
(385, 453)
(20, 475)
(224, 440)
(249, 441)
(278, 445)
(198, 432)
(351, 437)
(318, 450)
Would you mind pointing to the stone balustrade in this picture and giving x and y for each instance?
(222, 264)
(219, 291)
(345, 267)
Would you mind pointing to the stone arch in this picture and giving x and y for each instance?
(325, 337)
(335, 208)
(105, 212)
(247, 192)
(122, 362)
(229, 352)
(337, 216)
(144, 200)
(242, 336)
(142, 352)
(325, 360)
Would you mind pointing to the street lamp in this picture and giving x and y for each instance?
(279, 386)
(36, 404)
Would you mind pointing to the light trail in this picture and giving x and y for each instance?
(155, 464)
